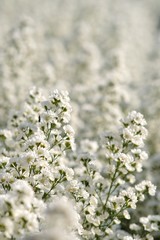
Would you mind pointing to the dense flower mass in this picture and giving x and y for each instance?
(50, 190)
(79, 120)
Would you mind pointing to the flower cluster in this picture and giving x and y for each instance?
(38, 138)
(20, 211)
(106, 191)
(51, 192)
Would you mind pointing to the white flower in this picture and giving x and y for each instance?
(69, 173)
(69, 130)
(126, 214)
(109, 231)
(93, 201)
(23, 189)
(93, 220)
(84, 194)
(134, 227)
(8, 226)
(128, 238)
(136, 117)
(146, 185)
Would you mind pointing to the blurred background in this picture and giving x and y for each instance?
(105, 53)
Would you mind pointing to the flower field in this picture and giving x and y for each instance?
(79, 120)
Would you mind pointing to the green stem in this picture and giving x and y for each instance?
(111, 185)
(46, 195)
